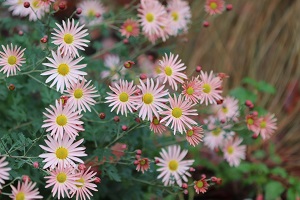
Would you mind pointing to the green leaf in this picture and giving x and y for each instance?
(249, 81)
(279, 171)
(291, 194)
(263, 86)
(273, 190)
(112, 173)
(242, 94)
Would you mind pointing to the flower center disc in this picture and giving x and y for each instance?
(149, 17)
(225, 110)
(206, 88)
(35, 4)
(142, 162)
(148, 98)
(175, 16)
(61, 177)
(190, 133)
(199, 184)
(230, 150)
(81, 180)
(213, 5)
(216, 132)
(78, 93)
(250, 121)
(12, 60)
(63, 69)
(61, 153)
(168, 71)
(190, 91)
(155, 121)
(61, 120)
(263, 124)
(68, 38)
(173, 165)
(20, 196)
(123, 97)
(129, 28)
(176, 112)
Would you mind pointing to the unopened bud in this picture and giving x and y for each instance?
(44, 40)
(81, 166)
(143, 76)
(192, 169)
(136, 162)
(97, 180)
(116, 118)
(11, 87)
(20, 32)
(198, 69)
(26, 4)
(184, 185)
(138, 120)
(62, 5)
(205, 24)
(156, 161)
(97, 15)
(138, 152)
(25, 178)
(78, 11)
(36, 165)
(125, 41)
(124, 128)
(229, 7)
(137, 157)
(185, 191)
(102, 115)
(220, 101)
(128, 64)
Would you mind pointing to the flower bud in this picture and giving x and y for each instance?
(229, 7)
(138, 152)
(128, 64)
(136, 162)
(25, 178)
(184, 185)
(78, 11)
(11, 87)
(185, 191)
(81, 166)
(143, 76)
(36, 165)
(26, 4)
(198, 69)
(102, 115)
(205, 24)
(62, 5)
(44, 40)
(124, 127)
(97, 15)
(97, 180)
(116, 118)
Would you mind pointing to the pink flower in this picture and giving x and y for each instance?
(178, 114)
(25, 190)
(69, 38)
(115, 68)
(92, 12)
(172, 166)
(11, 59)
(17, 7)
(228, 110)
(201, 185)
(130, 28)
(192, 90)
(63, 151)
(267, 126)
(81, 95)
(151, 101)
(210, 86)
(213, 7)
(123, 98)
(234, 152)
(45, 3)
(252, 123)
(156, 126)
(4, 175)
(172, 70)
(62, 120)
(36, 10)
(194, 135)
(143, 165)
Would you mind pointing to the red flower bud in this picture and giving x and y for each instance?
(78, 11)
(128, 64)
(116, 118)
(138, 152)
(205, 24)
(124, 128)
(26, 4)
(102, 115)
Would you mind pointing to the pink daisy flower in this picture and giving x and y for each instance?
(252, 123)
(81, 95)
(151, 14)
(25, 190)
(156, 126)
(201, 185)
(178, 114)
(69, 38)
(172, 166)
(192, 90)
(62, 120)
(130, 28)
(92, 12)
(151, 101)
(86, 179)
(210, 86)
(65, 70)
(267, 126)
(4, 175)
(36, 10)
(123, 98)
(143, 164)
(213, 7)
(64, 151)
(171, 70)
(63, 180)
(11, 59)
(180, 14)
(115, 68)
(194, 135)
(228, 110)
(234, 152)
(16, 7)
(46, 3)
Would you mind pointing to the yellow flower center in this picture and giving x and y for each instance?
(68, 38)
(91, 14)
(35, 4)
(123, 97)
(263, 124)
(176, 112)
(230, 150)
(190, 90)
(213, 5)
(142, 162)
(206, 88)
(148, 98)
(157, 69)
(175, 16)
(78, 93)
(216, 132)
(199, 184)
(155, 121)
(129, 28)
(12, 60)
(168, 71)
(61, 177)
(173, 165)
(62, 153)
(250, 121)
(61, 120)
(190, 133)
(20, 196)
(225, 110)
(149, 17)
(81, 180)
(63, 69)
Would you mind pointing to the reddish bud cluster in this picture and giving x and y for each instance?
(249, 104)
(102, 115)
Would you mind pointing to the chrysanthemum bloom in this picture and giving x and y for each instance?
(213, 7)
(172, 70)
(194, 135)
(130, 28)
(151, 13)
(123, 98)
(92, 12)
(64, 151)
(178, 114)
(65, 70)
(69, 38)
(115, 68)
(234, 152)
(46, 2)
(11, 59)
(86, 179)
(63, 180)
(62, 120)
(201, 185)
(180, 14)
(252, 122)
(210, 86)
(36, 10)
(228, 110)
(81, 95)
(17, 7)
(25, 190)
(192, 90)
(172, 166)
(4, 175)
(152, 99)
(156, 126)
(267, 126)
(143, 165)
